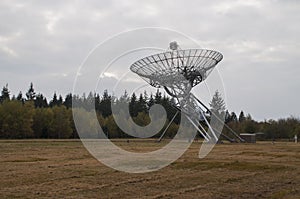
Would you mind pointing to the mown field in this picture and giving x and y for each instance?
(64, 169)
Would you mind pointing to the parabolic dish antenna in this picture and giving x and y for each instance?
(178, 71)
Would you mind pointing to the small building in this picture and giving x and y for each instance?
(248, 137)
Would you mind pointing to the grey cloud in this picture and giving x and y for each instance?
(46, 41)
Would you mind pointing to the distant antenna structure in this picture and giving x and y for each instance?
(178, 71)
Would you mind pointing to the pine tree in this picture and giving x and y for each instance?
(227, 117)
(248, 117)
(150, 101)
(233, 117)
(146, 96)
(158, 97)
(242, 117)
(30, 93)
(20, 97)
(68, 101)
(133, 105)
(124, 98)
(217, 104)
(54, 101)
(40, 101)
(89, 102)
(168, 106)
(59, 101)
(105, 105)
(141, 104)
(4, 94)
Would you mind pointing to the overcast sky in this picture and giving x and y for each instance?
(45, 42)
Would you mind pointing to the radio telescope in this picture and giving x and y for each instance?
(178, 71)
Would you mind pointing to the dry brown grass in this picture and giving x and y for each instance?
(64, 169)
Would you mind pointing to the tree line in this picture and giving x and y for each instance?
(33, 116)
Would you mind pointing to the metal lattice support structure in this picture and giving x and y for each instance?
(178, 71)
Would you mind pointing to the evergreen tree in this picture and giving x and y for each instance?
(146, 96)
(217, 104)
(248, 117)
(168, 106)
(89, 102)
(68, 101)
(142, 104)
(150, 101)
(242, 117)
(40, 101)
(54, 101)
(133, 105)
(233, 117)
(20, 97)
(227, 117)
(4, 94)
(30, 93)
(121, 104)
(158, 97)
(97, 101)
(60, 101)
(124, 98)
(105, 105)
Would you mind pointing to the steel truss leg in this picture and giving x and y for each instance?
(195, 122)
(160, 138)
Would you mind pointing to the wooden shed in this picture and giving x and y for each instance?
(248, 137)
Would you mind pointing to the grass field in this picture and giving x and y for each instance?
(64, 169)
